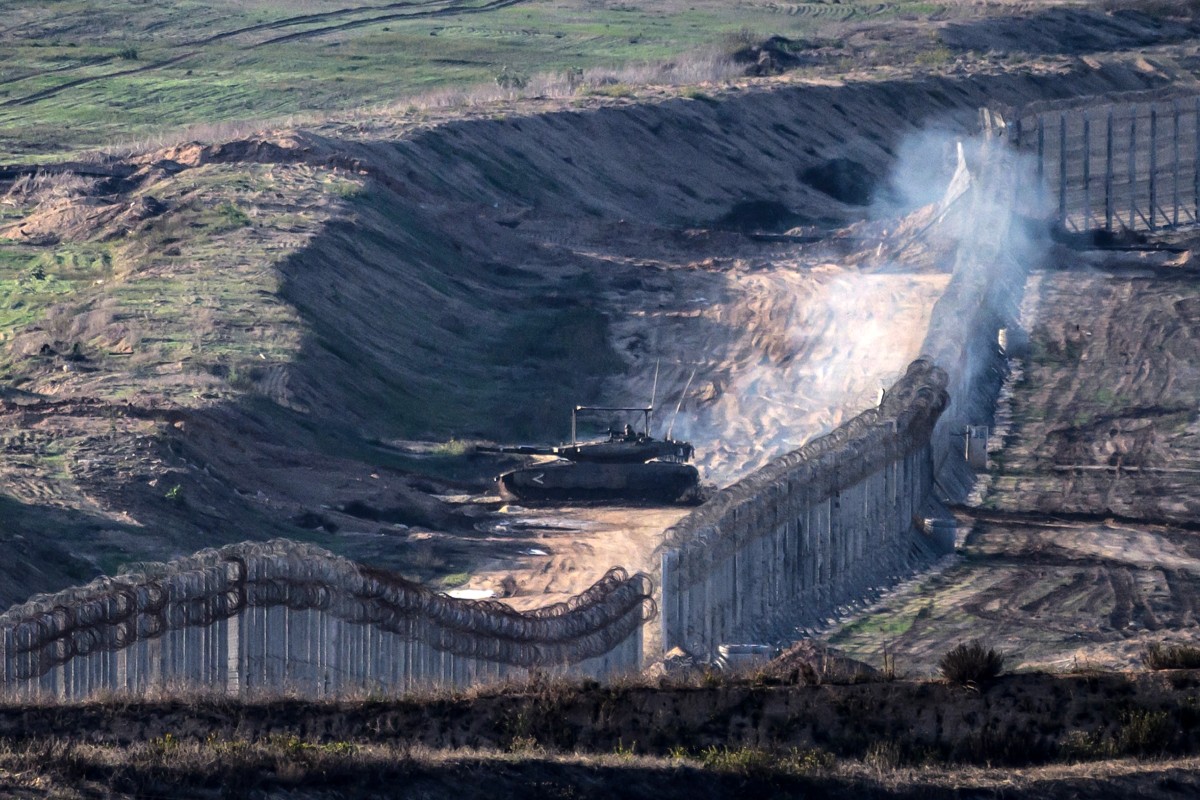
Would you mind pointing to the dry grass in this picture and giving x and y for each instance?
(1164, 656)
(699, 68)
(1169, 9)
(283, 765)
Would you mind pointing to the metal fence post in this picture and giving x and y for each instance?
(1087, 172)
(1108, 172)
(1153, 168)
(1175, 169)
(1062, 169)
(1133, 169)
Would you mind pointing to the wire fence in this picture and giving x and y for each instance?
(814, 528)
(1131, 164)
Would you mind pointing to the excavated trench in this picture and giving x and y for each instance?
(492, 271)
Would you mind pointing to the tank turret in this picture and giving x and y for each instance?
(627, 465)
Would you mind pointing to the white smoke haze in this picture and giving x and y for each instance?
(848, 334)
(817, 339)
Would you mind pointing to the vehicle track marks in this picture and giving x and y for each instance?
(451, 11)
(53, 90)
(87, 62)
(302, 19)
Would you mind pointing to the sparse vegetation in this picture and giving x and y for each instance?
(233, 216)
(455, 580)
(754, 762)
(971, 664)
(542, 720)
(453, 448)
(1165, 656)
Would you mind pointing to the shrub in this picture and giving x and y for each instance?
(454, 447)
(613, 90)
(755, 762)
(1179, 656)
(884, 755)
(511, 80)
(1144, 733)
(128, 53)
(232, 216)
(971, 664)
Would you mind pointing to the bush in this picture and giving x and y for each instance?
(1161, 656)
(1144, 733)
(754, 762)
(511, 80)
(971, 664)
(232, 216)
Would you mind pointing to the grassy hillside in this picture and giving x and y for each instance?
(81, 75)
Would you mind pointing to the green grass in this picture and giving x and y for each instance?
(383, 62)
(33, 280)
(181, 293)
(455, 580)
(886, 623)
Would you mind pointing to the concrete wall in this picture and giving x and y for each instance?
(777, 551)
(998, 247)
(812, 530)
(820, 527)
(264, 618)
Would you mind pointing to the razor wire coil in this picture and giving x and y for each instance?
(214, 585)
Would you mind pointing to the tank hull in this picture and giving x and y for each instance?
(657, 481)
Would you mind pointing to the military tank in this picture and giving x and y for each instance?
(628, 465)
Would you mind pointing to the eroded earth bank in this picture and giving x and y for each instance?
(299, 333)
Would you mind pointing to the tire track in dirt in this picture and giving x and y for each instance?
(1143, 614)
(302, 19)
(496, 5)
(1123, 595)
(53, 90)
(1000, 604)
(87, 62)
(1057, 596)
(453, 10)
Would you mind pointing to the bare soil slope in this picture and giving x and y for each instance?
(254, 329)
(1084, 548)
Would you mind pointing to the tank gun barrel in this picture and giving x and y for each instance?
(521, 449)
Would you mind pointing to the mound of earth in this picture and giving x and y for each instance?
(773, 56)
(810, 663)
(1070, 31)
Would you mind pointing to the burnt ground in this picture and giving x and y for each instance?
(1083, 548)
